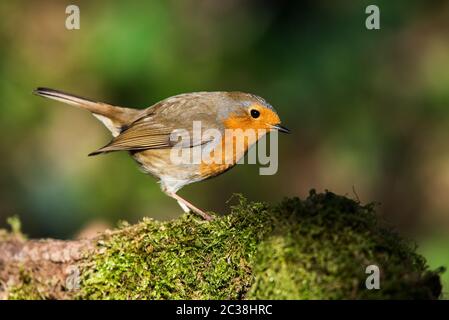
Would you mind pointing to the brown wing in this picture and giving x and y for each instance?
(159, 125)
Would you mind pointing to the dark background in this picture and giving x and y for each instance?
(369, 109)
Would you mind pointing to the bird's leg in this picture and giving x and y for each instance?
(187, 206)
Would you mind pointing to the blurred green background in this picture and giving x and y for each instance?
(369, 109)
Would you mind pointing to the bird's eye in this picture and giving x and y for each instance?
(255, 113)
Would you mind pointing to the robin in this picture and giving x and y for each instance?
(147, 134)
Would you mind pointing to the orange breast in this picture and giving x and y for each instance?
(225, 155)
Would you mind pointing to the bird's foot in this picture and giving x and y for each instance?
(187, 207)
(203, 214)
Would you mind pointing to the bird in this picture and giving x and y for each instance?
(148, 134)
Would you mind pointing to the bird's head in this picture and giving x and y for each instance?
(247, 111)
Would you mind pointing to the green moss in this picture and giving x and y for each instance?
(312, 249)
(27, 289)
(320, 250)
(15, 232)
(15, 224)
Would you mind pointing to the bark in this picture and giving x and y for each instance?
(43, 262)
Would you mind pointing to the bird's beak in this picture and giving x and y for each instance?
(280, 128)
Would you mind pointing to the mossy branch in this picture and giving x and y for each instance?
(317, 248)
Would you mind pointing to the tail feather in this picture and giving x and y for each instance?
(92, 106)
(114, 118)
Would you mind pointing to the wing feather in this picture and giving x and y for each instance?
(153, 132)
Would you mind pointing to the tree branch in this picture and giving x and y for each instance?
(316, 248)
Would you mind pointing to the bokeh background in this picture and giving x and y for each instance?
(369, 109)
